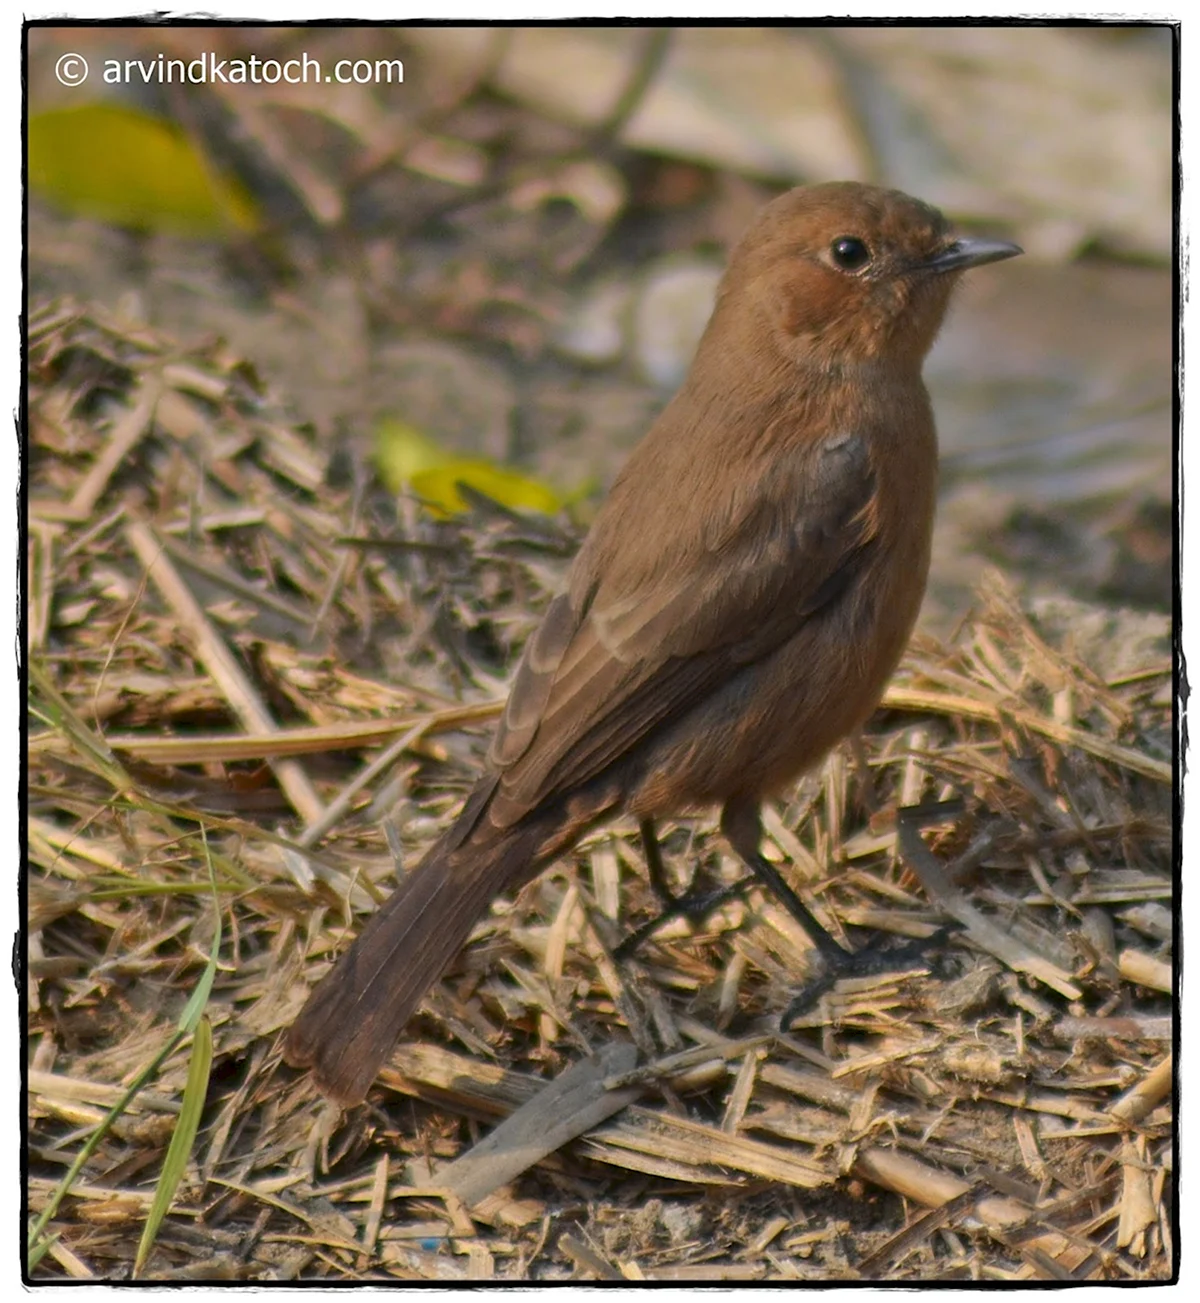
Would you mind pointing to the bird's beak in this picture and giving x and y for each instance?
(970, 251)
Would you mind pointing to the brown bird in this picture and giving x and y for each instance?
(737, 608)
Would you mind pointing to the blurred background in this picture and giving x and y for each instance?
(492, 249)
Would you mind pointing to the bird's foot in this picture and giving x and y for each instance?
(872, 961)
(693, 905)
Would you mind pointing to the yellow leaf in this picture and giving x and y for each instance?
(438, 488)
(131, 169)
(402, 451)
(409, 459)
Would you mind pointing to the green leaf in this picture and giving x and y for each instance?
(39, 1251)
(179, 1151)
(131, 169)
(198, 1001)
(193, 1102)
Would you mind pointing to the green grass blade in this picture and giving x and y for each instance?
(180, 1148)
(191, 1020)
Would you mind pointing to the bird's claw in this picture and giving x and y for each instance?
(868, 962)
(695, 907)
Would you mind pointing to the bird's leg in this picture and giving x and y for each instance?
(654, 863)
(742, 827)
(740, 822)
(692, 905)
(869, 797)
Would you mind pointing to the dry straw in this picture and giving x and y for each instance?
(227, 643)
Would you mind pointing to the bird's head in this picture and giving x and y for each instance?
(845, 273)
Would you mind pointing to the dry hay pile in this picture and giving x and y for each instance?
(255, 686)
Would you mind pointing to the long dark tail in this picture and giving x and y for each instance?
(355, 1015)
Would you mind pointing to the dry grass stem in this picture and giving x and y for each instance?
(225, 636)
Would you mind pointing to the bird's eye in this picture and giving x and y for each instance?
(849, 253)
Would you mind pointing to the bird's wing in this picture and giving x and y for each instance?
(598, 678)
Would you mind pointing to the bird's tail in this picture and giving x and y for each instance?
(355, 1015)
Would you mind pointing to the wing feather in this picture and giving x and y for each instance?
(599, 677)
